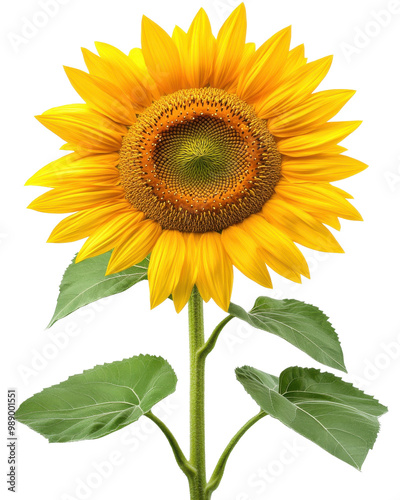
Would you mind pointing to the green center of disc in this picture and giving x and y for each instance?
(201, 156)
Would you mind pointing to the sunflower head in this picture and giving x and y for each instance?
(199, 160)
(204, 152)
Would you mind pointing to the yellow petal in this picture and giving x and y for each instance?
(102, 96)
(54, 166)
(294, 89)
(136, 55)
(128, 85)
(249, 49)
(265, 67)
(317, 198)
(294, 61)
(161, 56)
(84, 127)
(215, 270)
(166, 261)
(335, 149)
(201, 279)
(340, 191)
(82, 224)
(187, 279)
(128, 76)
(229, 48)
(279, 251)
(315, 111)
(66, 200)
(316, 142)
(77, 169)
(134, 246)
(300, 226)
(328, 219)
(109, 234)
(244, 254)
(201, 47)
(180, 39)
(98, 66)
(327, 168)
(68, 146)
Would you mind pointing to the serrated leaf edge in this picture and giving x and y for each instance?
(93, 368)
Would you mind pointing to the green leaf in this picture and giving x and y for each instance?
(321, 407)
(99, 401)
(303, 325)
(86, 282)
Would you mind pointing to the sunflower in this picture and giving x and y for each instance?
(204, 153)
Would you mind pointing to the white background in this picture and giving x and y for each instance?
(358, 290)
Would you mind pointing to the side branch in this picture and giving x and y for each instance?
(216, 477)
(180, 458)
(212, 340)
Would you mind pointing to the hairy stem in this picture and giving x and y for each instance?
(197, 364)
(212, 340)
(220, 467)
(178, 453)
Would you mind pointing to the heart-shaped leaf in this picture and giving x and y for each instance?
(303, 325)
(99, 401)
(330, 412)
(85, 282)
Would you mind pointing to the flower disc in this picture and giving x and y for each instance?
(199, 160)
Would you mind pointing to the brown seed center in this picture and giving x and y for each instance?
(199, 160)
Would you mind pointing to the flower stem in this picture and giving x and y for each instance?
(197, 460)
(220, 467)
(212, 340)
(178, 453)
(195, 468)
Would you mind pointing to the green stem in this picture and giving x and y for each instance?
(212, 340)
(197, 460)
(178, 453)
(195, 468)
(220, 467)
